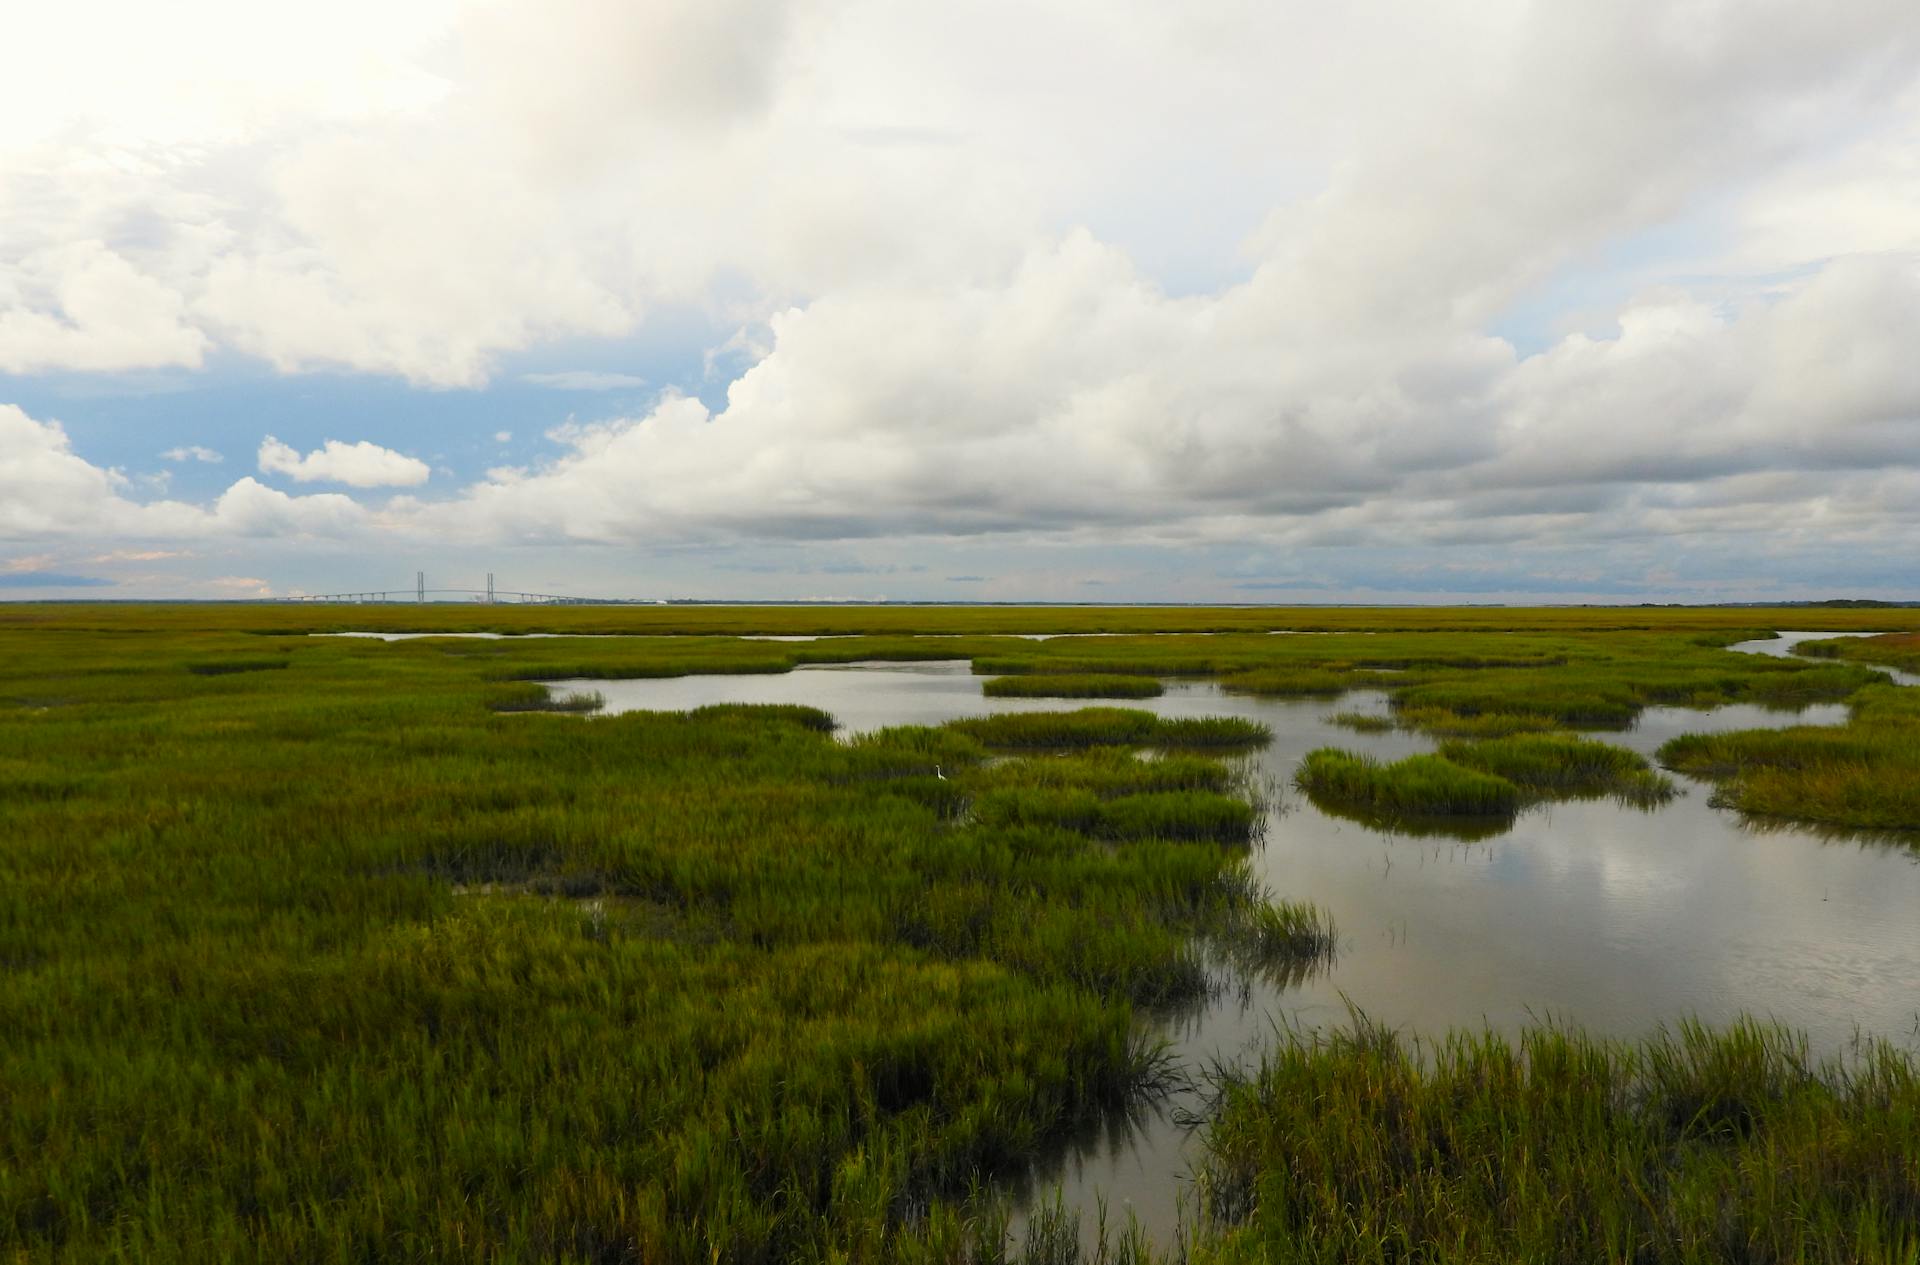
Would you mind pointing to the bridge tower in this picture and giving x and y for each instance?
(420, 586)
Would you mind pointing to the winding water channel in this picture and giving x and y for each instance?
(1609, 917)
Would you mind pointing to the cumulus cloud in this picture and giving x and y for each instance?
(44, 487)
(250, 508)
(192, 452)
(242, 585)
(360, 465)
(1117, 272)
(485, 178)
(80, 305)
(1076, 398)
(48, 490)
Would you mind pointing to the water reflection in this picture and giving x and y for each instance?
(1414, 826)
(1595, 913)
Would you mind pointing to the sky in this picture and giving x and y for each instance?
(1082, 300)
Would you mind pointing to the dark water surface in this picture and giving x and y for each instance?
(1610, 917)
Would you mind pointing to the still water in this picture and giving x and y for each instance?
(1613, 918)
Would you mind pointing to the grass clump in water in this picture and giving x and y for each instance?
(1894, 650)
(1201, 732)
(1073, 685)
(1579, 704)
(1694, 1145)
(1296, 930)
(1863, 776)
(1362, 722)
(1444, 723)
(1560, 765)
(1110, 726)
(1418, 786)
(797, 714)
(553, 701)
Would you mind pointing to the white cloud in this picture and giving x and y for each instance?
(210, 71)
(459, 182)
(140, 555)
(1091, 271)
(1075, 399)
(48, 490)
(192, 452)
(250, 508)
(360, 465)
(27, 562)
(80, 305)
(502, 436)
(242, 585)
(44, 487)
(583, 380)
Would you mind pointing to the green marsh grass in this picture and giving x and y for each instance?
(571, 701)
(1864, 775)
(1111, 726)
(1183, 814)
(696, 620)
(334, 960)
(1693, 1145)
(1290, 930)
(1443, 723)
(815, 719)
(1894, 650)
(1418, 786)
(1490, 779)
(1604, 704)
(1609, 694)
(1083, 685)
(1362, 722)
(1110, 771)
(1121, 657)
(221, 667)
(1557, 765)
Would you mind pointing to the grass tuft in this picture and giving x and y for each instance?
(548, 701)
(1110, 726)
(225, 667)
(1362, 722)
(1561, 765)
(1863, 776)
(1418, 786)
(1694, 1145)
(1443, 723)
(1075, 685)
(1894, 650)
